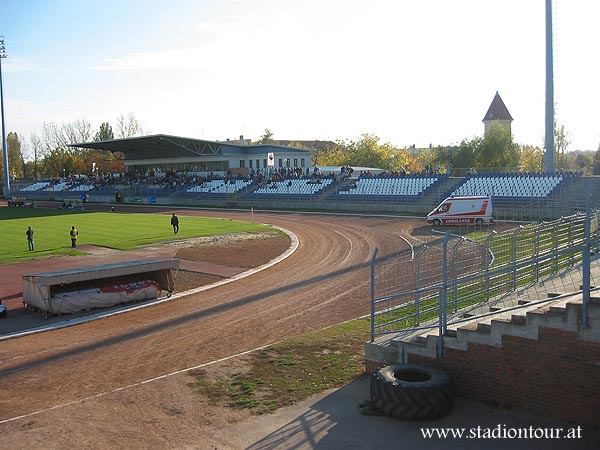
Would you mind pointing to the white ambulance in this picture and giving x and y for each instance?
(462, 210)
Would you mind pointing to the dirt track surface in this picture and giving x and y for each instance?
(324, 282)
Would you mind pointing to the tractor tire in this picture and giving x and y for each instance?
(411, 392)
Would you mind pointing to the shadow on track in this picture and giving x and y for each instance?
(178, 321)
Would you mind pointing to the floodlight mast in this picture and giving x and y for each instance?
(4, 148)
(549, 165)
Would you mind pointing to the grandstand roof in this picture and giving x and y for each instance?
(167, 146)
(497, 110)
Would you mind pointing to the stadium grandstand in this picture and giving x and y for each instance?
(170, 170)
(517, 186)
(164, 153)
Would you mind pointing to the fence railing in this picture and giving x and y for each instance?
(444, 279)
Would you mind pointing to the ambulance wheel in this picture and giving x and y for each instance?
(479, 222)
(437, 222)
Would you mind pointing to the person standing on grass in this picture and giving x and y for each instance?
(30, 243)
(175, 223)
(73, 233)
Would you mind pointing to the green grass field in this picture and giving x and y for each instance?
(115, 230)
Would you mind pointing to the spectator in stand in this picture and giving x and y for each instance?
(30, 243)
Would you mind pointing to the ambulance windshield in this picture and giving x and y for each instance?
(444, 208)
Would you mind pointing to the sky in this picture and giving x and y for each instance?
(411, 72)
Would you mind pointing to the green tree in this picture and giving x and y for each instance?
(61, 159)
(531, 159)
(497, 150)
(596, 166)
(16, 163)
(368, 152)
(104, 133)
(267, 137)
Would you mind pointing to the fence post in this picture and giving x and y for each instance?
(373, 260)
(586, 268)
(538, 233)
(572, 255)
(514, 257)
(418, 283)
(555, 243)
(454, 276)
(442, 297)
(487, 264)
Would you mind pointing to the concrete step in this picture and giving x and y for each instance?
(421, 340)
(563, 314)
(451, 333)
(483, 327)
(518, 319)
(557, 310)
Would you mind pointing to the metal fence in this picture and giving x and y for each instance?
(473, 272)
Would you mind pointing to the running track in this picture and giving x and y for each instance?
(324, 282)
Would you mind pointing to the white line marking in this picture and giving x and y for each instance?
(122, 388)
(412, 249)
(160, 377)
(468, 239)
(351, 246)
(101, 315)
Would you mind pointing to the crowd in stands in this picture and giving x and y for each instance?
(153, 182)
(429, 171)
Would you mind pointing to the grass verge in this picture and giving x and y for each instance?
(287, 372)
(115, 230)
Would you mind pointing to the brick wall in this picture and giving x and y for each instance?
(555, 376)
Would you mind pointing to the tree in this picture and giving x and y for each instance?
(561, 142)
(104, 133)
(497, 150)
(531, 159)
(267, 137)
(128, 127)
(61, 159)
(368, 152)
(16, 163)
(596, 166)
(37, 150)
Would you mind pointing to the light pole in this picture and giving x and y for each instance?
(4, 149)
(549, 134)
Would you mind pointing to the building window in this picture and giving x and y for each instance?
(302, 163)
(295, 162)
(250, 164)
(242, 163)
(258, 163)
(264, 163)
(280, 162)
